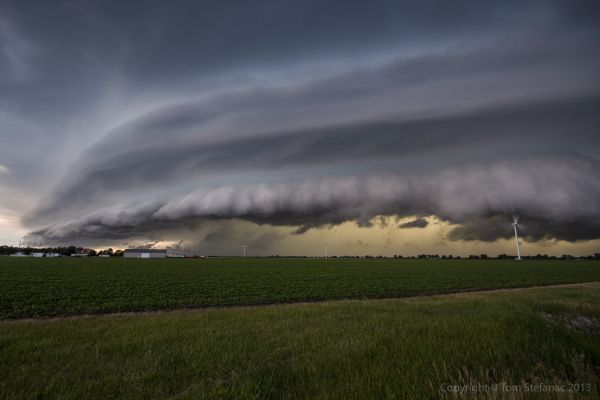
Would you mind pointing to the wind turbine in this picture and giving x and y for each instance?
(514, 224)
(244, 250)
(326, 249)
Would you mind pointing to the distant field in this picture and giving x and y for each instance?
(33, 287)
(360, 349)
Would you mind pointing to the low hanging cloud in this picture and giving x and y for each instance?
(474, 170)
(415, 223)
(552, 197)
(467, 128)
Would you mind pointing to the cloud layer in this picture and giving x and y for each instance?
(556, 199)
(469, 113)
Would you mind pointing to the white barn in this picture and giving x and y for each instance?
(144, 253)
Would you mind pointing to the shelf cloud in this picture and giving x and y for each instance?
(480, 200)
(469, 113)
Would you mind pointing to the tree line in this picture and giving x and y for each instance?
(70, 250)
(63, 251)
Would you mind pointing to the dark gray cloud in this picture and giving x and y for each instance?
(144, 120)
(415, 223)
(155, 41)
(165, 147)
(261, 177)
(553, 196)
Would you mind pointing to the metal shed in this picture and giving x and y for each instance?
(144, 253)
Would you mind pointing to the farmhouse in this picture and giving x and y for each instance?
(145, 253)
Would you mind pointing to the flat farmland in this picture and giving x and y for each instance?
(412, 348)
(40, 287)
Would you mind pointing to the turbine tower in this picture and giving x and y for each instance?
(514, 224)
(244, 250)
(326, 249)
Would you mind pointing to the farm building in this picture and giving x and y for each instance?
(37, 254)
(145, 253)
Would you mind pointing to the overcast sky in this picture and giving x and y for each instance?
(387, 127)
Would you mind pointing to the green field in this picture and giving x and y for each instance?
(34, 287)
(394, 333)
(357, 349)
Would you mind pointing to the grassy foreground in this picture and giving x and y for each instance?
(407, 349)
(33, 287)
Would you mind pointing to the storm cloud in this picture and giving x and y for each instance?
(553, 196)
(184, 115)
(415, 223)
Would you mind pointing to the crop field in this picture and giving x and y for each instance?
(42, 287)
(360, 328)
(522, 341)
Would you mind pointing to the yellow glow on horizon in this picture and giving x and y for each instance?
(383, 237)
